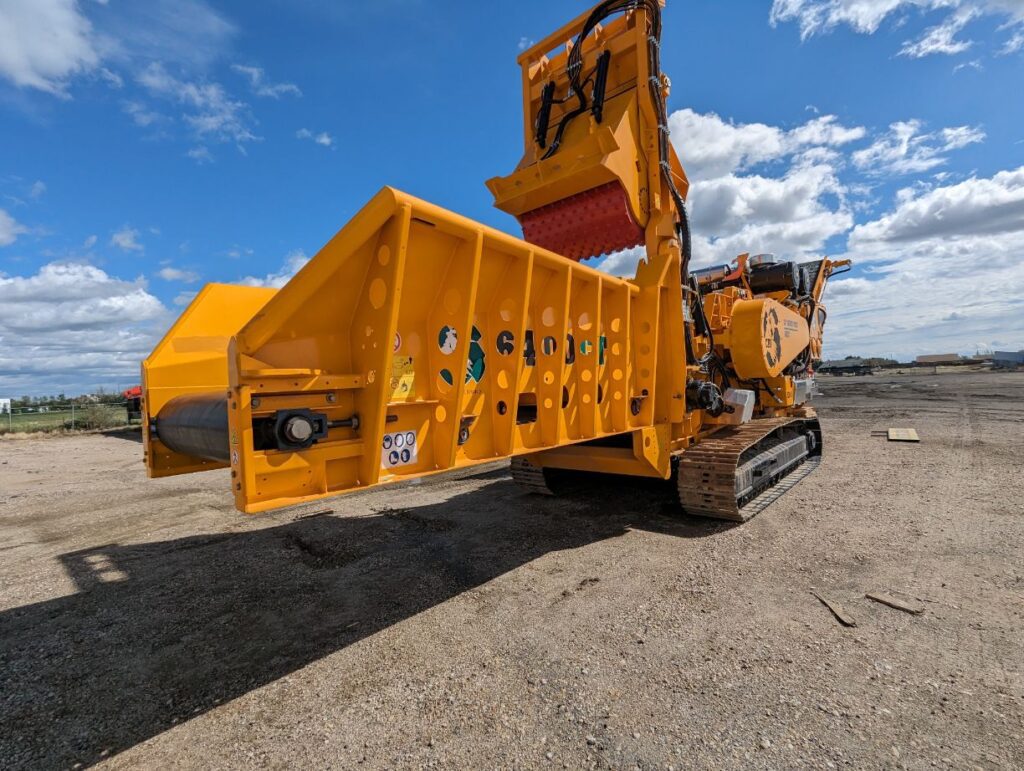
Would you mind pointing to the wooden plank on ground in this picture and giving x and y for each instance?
(903, 435)
(895, 602)
(837, 610)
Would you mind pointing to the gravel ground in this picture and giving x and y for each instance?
(459, 623)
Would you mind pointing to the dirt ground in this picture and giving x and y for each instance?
(459, 623)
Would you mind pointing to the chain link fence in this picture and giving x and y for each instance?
(65, 417)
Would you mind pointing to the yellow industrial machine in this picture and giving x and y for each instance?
(418, 341)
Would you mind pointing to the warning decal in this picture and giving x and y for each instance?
(403, 376)
(398, 449)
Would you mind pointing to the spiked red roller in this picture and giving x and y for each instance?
(586, 225)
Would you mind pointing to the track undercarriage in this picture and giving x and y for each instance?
(732, 474)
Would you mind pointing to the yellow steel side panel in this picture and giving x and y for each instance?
(193, 358)
(505, 348)
(765, 337)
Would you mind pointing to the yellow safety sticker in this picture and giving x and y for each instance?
(403, 377)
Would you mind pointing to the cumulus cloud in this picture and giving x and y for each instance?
(816, 17)
(10, 229)
(44, 43)
(261, 86)
(711, 147)
(126, 239)
(976, 207)
(293, 263)
(71, 325)
(758, 188)
(939, 270)
(906, 150)
(170, 273)
(737, 208)
(37, 189)
(943, 271)
(323, 138)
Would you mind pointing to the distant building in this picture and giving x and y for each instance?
(982, 357)
(1007, 359)
(5, 406)
(932, 359)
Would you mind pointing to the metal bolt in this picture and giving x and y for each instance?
(331, 398)
(256, 401)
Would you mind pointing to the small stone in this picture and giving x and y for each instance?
(591, 740)
(549, 754)
(636, 734)
(766, 743)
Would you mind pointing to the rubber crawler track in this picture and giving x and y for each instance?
(706, 473)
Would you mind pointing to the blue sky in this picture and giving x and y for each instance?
(149, 146)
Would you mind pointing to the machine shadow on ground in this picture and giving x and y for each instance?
(161, 632)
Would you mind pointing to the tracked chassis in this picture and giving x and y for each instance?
(732, 474)
(739, 470)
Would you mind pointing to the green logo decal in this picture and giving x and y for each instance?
(475, 363)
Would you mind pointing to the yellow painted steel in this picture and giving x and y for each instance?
(428, 341)
(192, 358)
(468, 343)
(620, 148)
(766, 337)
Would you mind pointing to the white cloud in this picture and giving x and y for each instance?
(735, 209)
(44, 43)
(973, 64)
(126, 239)
(323, 138)
(200, 154)
(184, 298)
(37, 189)
(816, 17)
(711, 147)
(525, 42)
(112, 78)
(905, 150)
(1014, 44)
(294, 262)
(940, 39)
(90, 242)
(10, 229)
(976, 207)
(212, 113)
(260, 86)
(943, 272)
(176, 274)
(72, 325)
(141, 115)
